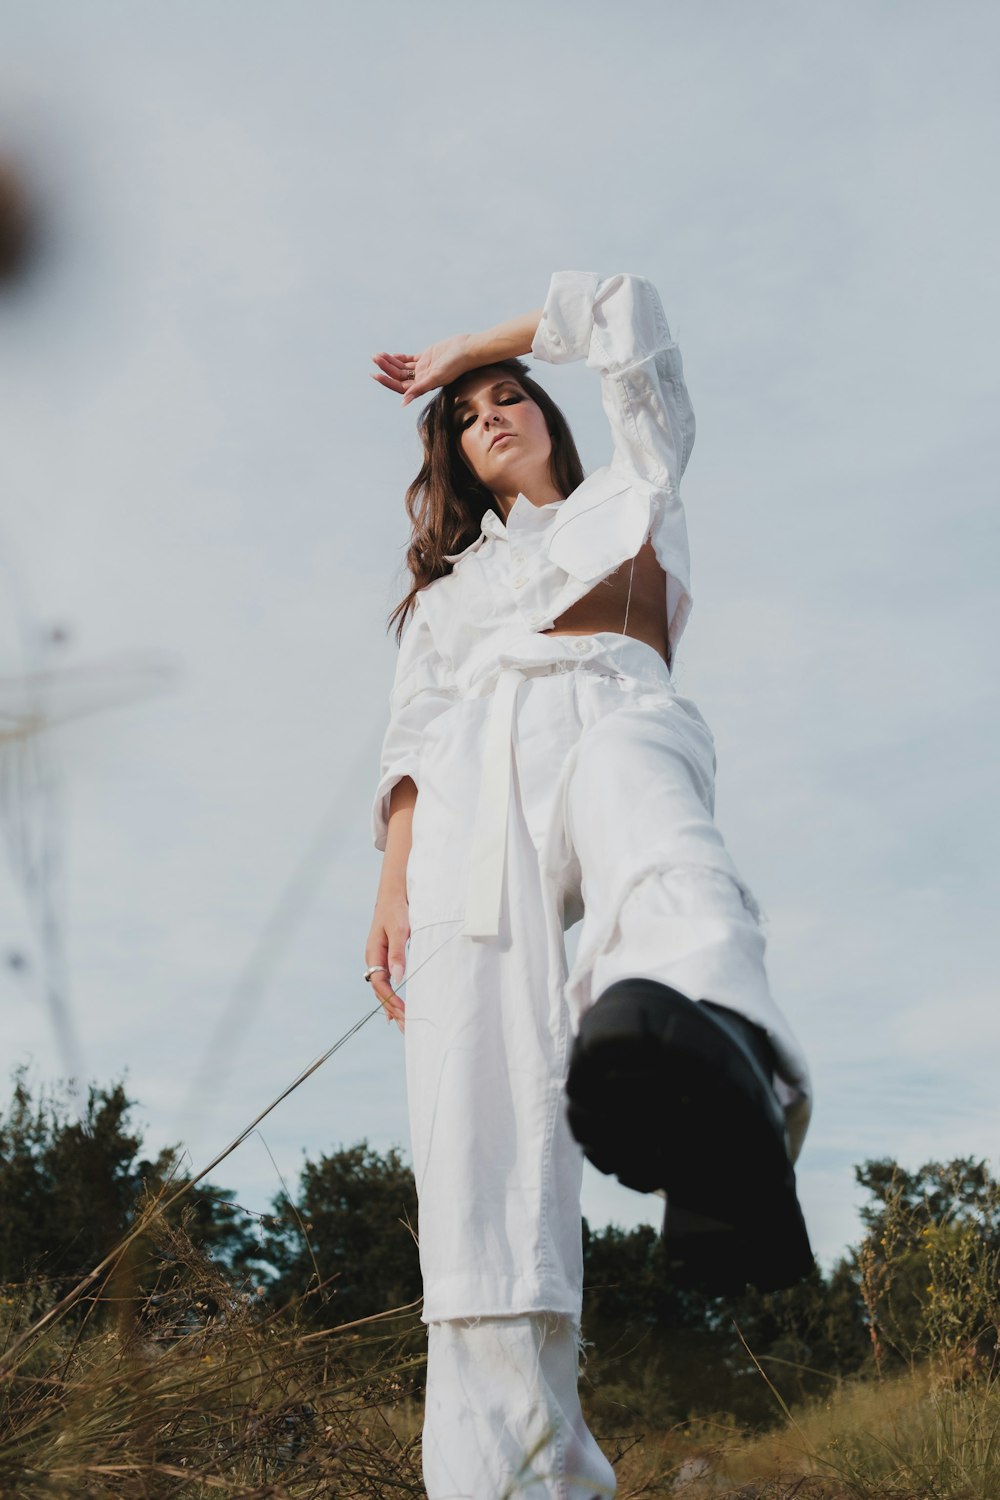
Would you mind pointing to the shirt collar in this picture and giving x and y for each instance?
(523, 516)
(454, 557)
(491, 525)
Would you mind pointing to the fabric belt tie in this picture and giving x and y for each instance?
(484, 897)
(489, 839)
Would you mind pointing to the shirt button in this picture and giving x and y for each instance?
(517, 556)
(519, 583)
(580, 646)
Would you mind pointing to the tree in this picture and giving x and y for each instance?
(71, 1184)
(349, 1236)
(927, 1268)
(670, 1354)
(923, 1281)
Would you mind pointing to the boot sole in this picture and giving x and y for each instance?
(662, 1097)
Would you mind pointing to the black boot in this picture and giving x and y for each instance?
(668, 1093)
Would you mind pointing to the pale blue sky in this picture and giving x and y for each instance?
(197, 479)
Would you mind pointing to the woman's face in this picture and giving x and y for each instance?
(502, 433)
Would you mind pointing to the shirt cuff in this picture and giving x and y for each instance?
(380, 806)
(567, 319)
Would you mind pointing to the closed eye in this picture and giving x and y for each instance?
(467, 418)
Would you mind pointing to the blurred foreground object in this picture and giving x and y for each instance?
(18, 224)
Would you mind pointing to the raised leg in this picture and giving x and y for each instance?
(684, 1075)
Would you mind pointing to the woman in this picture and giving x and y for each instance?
(539, 767)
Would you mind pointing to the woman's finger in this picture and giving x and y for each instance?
(390, 1001)
(397, 962)
(395, 371)
(395, 364)
(377, 962)
(390, 383)
(414, 388)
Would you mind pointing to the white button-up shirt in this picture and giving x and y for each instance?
(516, 579)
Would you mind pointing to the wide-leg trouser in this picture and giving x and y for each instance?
(503, 1413)
(610, 816)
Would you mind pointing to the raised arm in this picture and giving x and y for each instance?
(617, 324)
(413, 375)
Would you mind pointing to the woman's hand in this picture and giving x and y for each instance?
(386, 946)
(413, 375)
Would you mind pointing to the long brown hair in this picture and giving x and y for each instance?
(446, 502)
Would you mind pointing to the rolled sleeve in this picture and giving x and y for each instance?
(423, 688)
(617, 324)
(629, 324)
(567, 320)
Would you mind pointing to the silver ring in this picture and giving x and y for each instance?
(374, 969)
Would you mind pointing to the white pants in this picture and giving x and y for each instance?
(610, 816)
(503, 1415)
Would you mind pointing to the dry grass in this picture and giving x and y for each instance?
(919, 1433)
(912, 1437)
(928, 1431)
(195, 1391)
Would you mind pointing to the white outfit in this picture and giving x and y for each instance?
(558, 776)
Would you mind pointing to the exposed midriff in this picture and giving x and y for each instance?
(604, 608)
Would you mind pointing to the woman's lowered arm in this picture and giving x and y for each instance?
(390, 927)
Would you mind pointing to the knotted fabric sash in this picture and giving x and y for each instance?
(484, 897)
(607, 654)
(489, 838)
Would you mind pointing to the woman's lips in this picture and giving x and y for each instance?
(499, 438)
